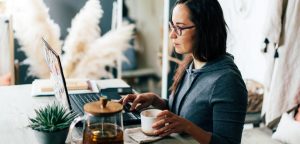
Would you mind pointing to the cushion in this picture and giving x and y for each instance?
(288, 130)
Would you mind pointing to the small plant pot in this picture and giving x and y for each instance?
(58, 137)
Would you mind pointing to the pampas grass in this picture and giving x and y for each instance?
(84, 30)
(86, 53)
(31, 22)
(104, 52)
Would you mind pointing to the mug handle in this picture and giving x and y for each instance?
(72, 126)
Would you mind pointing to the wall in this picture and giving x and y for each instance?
(148, 15)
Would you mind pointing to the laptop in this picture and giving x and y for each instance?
(75, 102)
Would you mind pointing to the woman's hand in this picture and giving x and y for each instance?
(168, 122)
(139, 101)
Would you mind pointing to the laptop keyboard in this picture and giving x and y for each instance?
(129, 117)
(86, 98)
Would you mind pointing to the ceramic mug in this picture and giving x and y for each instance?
(148, 117)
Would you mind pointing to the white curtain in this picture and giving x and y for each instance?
(245, 20)
(284, 84)
(250, 22)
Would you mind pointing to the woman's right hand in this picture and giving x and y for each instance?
(139, 101)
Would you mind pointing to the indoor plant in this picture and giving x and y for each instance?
(51, 123)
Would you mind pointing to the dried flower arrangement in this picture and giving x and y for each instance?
(85, 53)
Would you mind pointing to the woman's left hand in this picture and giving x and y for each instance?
(168, 122)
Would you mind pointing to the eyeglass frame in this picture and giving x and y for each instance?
(177, 29)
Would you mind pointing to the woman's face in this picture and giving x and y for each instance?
(183, 40)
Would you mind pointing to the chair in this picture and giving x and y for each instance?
(255, 99)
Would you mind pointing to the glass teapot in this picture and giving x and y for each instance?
(103, 122)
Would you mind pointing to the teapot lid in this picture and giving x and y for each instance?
(103, 107)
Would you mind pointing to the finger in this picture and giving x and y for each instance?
(136, 102)
(164, 113)
(164, 117)
(168, 133)
(176, 128)
(162, 122)
(165, 129)
(141, 106)
(121, 100)
(129, 98)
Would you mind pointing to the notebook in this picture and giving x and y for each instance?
(44, 87)
(75, 102)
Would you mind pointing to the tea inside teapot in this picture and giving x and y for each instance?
(103, 133)
(102, 122)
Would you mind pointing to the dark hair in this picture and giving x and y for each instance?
(211, 33)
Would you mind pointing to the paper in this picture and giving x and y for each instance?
(137, 135)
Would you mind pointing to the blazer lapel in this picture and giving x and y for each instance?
(183, 89)
(191, 80)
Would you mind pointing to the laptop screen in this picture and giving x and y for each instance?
(56, 75)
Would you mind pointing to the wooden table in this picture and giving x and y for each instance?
(16, 105)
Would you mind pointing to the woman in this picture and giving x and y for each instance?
(209, 97)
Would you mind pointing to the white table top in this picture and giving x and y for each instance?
(16, 105)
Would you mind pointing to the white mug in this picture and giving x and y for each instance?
(148, 117)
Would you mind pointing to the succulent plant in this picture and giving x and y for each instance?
(54, 117)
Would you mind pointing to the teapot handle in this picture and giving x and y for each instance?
(72, 126)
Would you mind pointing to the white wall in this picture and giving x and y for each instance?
(149, 21)
(246, 21)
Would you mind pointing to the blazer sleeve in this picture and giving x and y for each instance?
(229, 105)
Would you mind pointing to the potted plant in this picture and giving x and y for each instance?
(51, 124)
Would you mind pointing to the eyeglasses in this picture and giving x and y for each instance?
(178, 30)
